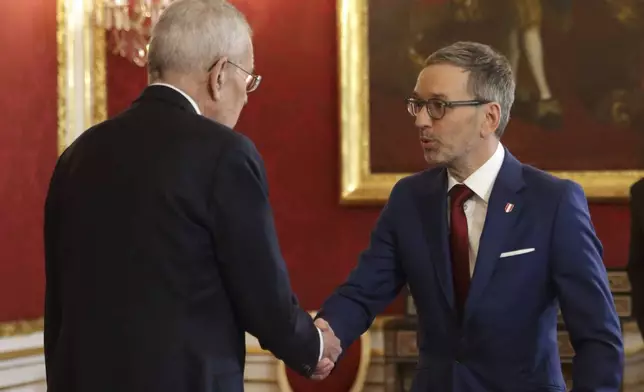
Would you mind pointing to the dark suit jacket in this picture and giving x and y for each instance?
(160, 252)
(508, 340)
(636, 254)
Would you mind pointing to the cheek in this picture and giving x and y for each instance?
(236, 97)
(235, 89)
(449, 134)
(242, 95)
(461, 134)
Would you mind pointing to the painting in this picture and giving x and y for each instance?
(579, 68)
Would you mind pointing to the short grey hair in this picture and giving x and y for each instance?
(191, 35)
(490, 74)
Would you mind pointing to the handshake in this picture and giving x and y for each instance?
(331, 352)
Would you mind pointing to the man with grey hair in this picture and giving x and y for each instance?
(161, 250)
(489, 247)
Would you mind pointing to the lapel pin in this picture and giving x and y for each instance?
(509, 207)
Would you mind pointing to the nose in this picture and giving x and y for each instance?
(422, 119)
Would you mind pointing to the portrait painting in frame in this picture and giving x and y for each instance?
(579, 69)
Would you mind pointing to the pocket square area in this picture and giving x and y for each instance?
(517, 252)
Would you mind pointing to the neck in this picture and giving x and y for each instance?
(462, 168)
(185, 83)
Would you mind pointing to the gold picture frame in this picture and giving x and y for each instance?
(359, 186)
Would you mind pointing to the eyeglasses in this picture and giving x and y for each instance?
(436, 108)
(252, 80)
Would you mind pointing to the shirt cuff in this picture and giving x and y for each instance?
(321, 344)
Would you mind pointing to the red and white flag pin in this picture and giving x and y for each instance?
(509, 207)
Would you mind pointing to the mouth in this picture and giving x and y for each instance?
(428, 143)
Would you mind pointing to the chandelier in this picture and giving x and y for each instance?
(129, 23)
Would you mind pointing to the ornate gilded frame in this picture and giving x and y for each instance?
(358, 184)
(82, 90)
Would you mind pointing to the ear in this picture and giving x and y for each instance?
(492, 119)
(217, 78)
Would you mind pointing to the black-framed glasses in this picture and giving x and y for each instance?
(252, 80)
(436, 108)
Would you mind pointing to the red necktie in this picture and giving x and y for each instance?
(460, 245)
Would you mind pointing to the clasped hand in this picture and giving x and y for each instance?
(332, 350)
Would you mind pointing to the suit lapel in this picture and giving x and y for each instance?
(432, 205)
(498, 225)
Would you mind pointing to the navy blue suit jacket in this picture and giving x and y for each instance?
(508, 339)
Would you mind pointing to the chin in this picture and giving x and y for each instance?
(434, 157)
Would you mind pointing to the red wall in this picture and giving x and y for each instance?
(292, 118)
(28, 128)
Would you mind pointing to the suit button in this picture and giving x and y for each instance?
(307, 368)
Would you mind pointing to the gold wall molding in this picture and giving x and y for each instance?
(81, 60)
(99, 68)
(81, 55)
(26, 327)
(21, 327)
(358, 184)
(29, 352)
(22, 385)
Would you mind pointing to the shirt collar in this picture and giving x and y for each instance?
(482, 180)
(189, 98)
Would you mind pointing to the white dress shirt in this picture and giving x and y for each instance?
(481, 183)
(194, 105)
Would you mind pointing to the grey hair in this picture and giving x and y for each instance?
(191, 35)
(490, 74)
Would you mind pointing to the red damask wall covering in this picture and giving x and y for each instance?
(28, 129)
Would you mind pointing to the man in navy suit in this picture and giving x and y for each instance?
(489, 247)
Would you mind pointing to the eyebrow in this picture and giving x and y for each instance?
(432, 96)
(439, 96)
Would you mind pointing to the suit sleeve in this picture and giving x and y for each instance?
(371, 286)
(584, 296)
(636, 254)
(254, 273)
(53, 307)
